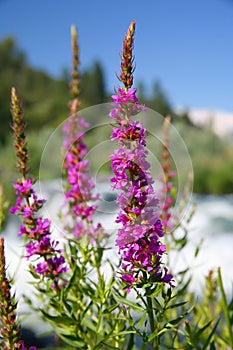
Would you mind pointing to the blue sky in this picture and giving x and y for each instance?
(186, 44)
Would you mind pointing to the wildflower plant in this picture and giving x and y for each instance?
(139, 238)
(47, 259)
(10, 331)
(141, 302)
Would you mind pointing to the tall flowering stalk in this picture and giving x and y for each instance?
(80, 187)
(40, 248)
(10, 332)
(139, 238)
(166, 195)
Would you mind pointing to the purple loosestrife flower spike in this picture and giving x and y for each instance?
(10, 332)
(79, 188)
(165, 194)
(36, 230)
(139, 238)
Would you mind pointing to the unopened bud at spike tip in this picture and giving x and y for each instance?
(73, 32)
(127, 67)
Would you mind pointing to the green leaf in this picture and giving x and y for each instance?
(71, 281)
(63, 320)
(152, 336)
(198, 247)
(177, 305)
(210, 336)
(88, 324)
(134, 306)
(175, 321)
(99, 325)
(155, 291)
(202, 329)
(87, 308)
(142, 320)
(110, 309)
(183, 272)
(33, 273)
(112, 336)
(225, 307)
(73, 341)
(124, 333)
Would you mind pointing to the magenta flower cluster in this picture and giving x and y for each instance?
(79, 192)
(139, 238)
(39, 245)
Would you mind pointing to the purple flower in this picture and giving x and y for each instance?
(42, 247)
(53, 266)
(42, 227)
(124, 96)
(125, 103)
(125, 132)
(22, 230)
(128, 278)
(18, 207)
(23, 186)
(167, 277)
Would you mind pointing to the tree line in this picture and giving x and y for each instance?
(45, 100)
(45, 97)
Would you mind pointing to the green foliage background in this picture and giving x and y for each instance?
(45, 105)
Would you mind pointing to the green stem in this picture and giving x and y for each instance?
(153, 326)
(150, 314)
(117, 344)
(225, 307)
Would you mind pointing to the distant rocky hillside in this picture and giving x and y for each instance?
(221, 121)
